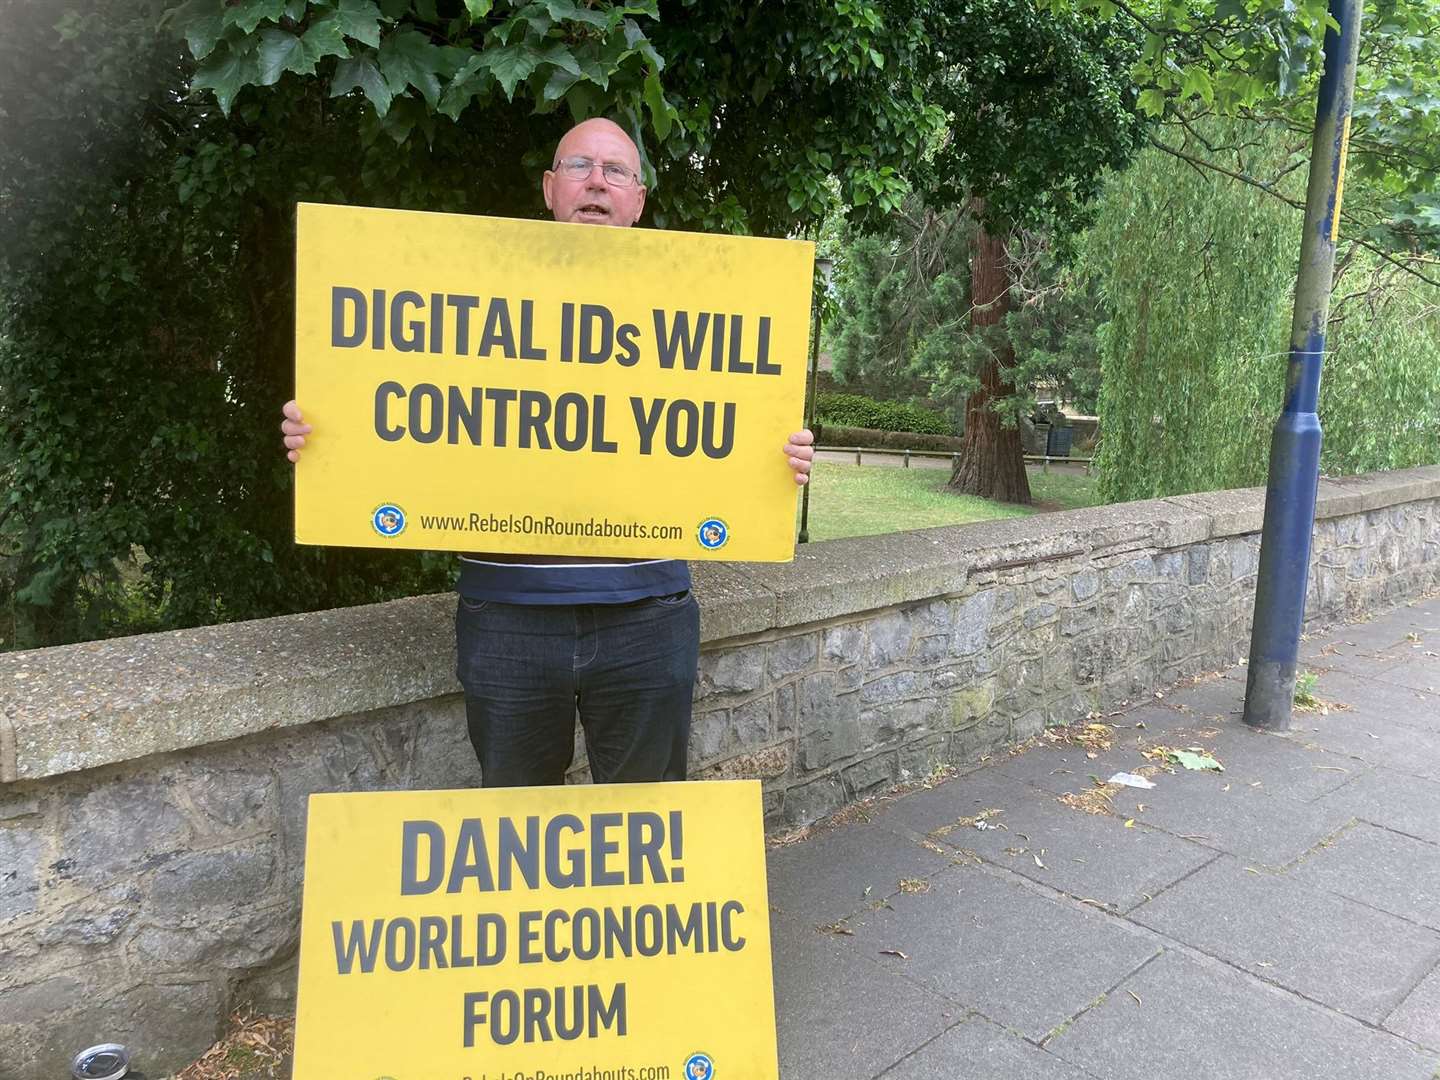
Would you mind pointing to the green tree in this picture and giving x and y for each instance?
(1260, 61)
(1039, 107)
(148, 179)
(1243, 58)
(1196, 273)
(903, 317)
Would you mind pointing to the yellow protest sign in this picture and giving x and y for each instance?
(616, 932)
(495, 385)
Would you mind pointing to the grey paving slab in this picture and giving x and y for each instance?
(1021, 959)
(1279, 765)
(1154, 718)
(1418, 618)
(1370, 696)
(1326, 947)
(1231, 816)
(937, 811)
(1199, 1021)
(1366, 733)
(1359, 650)
(1061, 769)
(1216, 696)
(827, 877)
(1418, 1017)
(1383, 637)
(1392, 799)
(1058, 769)
(1418, 673)
(1031, 833)
(1383, 869)
(839, 1015)
(980, 1050)
(1064, 768)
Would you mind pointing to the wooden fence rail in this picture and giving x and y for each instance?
(858, 451)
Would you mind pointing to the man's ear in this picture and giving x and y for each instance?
(641, 208)
(545, 180)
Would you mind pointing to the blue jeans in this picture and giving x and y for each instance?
(628, 669)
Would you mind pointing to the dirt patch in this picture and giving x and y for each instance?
(255, 1048)
(1091, 736)
(1093, 800)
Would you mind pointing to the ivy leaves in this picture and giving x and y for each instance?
(553, 51)
(361, 73)
(234, 50)
(823, 109)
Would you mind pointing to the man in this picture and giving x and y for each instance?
(538, 637)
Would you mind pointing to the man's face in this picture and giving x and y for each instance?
(593, 200)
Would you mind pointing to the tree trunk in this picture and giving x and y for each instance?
(992, 458)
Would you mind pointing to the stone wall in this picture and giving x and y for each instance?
(152, 789)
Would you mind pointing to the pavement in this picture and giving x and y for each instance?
(1277, 920)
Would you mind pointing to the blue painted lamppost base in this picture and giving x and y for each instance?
(1284, 569)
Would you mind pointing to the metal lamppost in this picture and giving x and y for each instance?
(824, 268)
(1295, 445)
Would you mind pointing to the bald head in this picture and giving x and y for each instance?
(592, 199)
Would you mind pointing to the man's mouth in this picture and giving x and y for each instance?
(592, 210)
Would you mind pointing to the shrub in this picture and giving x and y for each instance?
(1194, 374)
(870, 439)
(856, 410)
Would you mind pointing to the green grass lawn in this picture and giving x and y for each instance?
(862, 500)
(1064, 490)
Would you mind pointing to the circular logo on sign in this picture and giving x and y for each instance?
(388, 519)
(699, 1067)
(713, 534)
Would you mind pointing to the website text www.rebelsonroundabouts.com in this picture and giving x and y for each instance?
(591, 1072)
(548, 525)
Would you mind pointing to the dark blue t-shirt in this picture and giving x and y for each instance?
(509, 579)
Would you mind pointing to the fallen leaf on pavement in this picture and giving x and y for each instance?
(1197, 760)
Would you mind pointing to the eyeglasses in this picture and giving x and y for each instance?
(579, 168)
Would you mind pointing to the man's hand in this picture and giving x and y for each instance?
(799, 451)
(296, 429)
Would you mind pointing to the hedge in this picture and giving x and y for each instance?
(840, 437)
(858, 411)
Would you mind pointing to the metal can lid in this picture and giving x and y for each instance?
(108, 1061)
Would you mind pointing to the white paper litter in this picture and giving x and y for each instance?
(1129, 779)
